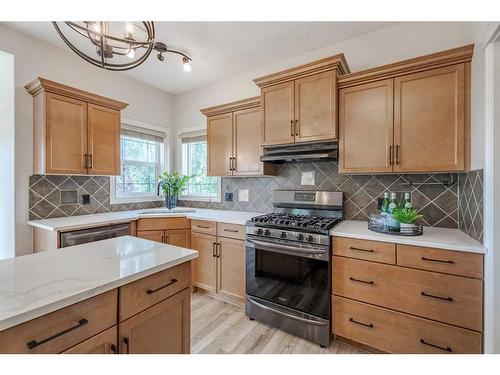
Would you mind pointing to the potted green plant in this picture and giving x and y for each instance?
(406, 218)
(172, 184)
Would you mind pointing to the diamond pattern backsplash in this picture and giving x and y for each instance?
(457, 206)
(45, 193)
(437, 202)
(470, 203)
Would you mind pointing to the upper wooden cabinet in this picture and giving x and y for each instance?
(233, 139)
(300, 104)
(412, 116)
(75, 132)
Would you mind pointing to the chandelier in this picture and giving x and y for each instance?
(115, 45)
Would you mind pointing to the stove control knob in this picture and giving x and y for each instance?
(301, 237)
(267, 232)
(310, 238)
(283, 234)
(259, 231)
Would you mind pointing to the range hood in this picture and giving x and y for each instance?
(300, 153)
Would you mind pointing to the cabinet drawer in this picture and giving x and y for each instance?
(450, 299)
(396, 332)
(202, 226)
(62, 329)
(438, 260)
(143, 293)
(161, 223)
(231, 231)
(382, 252)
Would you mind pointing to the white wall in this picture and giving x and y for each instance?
(7, 218)
(391, 44)
(33, 58)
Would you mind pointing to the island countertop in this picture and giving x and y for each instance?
(37, 284)
(440, 238)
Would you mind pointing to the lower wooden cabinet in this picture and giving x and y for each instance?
(161, 329)
(396, 332)
(220, 266)
(176, 237)
(102, 343)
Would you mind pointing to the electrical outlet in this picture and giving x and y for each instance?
(85, 198)
(243, 195)
(307, 178)
(228, 197)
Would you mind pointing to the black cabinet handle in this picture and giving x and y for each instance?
(365, 250)
(231, 230)
(296, 128)
(391, 158)
(361, 281)
(113, 348)
(34, 343)
(361, 323)
(446, 349)
(91, 162)
(151, 291)
(127, 343)
(437, 297)
(291, 128)
(86, 161)
(438, 260)
(217, 249)
(214, 252)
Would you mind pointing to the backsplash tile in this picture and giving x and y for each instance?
(470, 203)
(47, 195)
(457, 206)
(438, 203)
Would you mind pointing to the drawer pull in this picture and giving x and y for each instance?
(438, 260)
(151, 291)
(203, 226)
(365, 250)
(214, 251)
(113, 348)
(361, 323)
(447, 349)
(437, 297)
(231, 230)
(371, 282)
(33, 344)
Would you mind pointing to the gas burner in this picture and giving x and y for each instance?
(297, 221)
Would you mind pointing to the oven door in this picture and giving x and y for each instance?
(289, 274)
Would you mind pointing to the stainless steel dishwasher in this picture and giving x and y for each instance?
(78, 237)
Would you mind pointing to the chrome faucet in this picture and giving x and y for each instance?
(168, 200)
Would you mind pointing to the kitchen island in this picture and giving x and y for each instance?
(104, 296)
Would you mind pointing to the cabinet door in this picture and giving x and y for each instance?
(65, 135)
(162, 329)
(247, 138)
(219, 144)
(278, 114)
(205, 266)
(102, 343)
(231, 258)
(429, 122)
(316, 107)
(178, 237)
(366, 128)
(153, 235)
(104, 140)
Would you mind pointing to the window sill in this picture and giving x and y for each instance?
(136, 199)
(200, 199)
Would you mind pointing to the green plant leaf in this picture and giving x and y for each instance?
(406, 215)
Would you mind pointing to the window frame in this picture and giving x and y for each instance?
(162, 166)
(181, 167)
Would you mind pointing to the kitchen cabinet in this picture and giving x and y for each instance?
(220, 266)
(163, 328)
(102, 343)
(75, 132)
(234, 141)
(172, 231)
(407, 299)
(300, 104)
(411, 116)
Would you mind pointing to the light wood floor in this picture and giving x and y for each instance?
(222, 328)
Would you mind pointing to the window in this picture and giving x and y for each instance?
(194, 164)
(142, 161)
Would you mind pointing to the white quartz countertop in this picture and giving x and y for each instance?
(441, 238)
(37, 284)
(94, 220)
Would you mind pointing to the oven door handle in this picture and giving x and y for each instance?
(292, 249)
(304, 320)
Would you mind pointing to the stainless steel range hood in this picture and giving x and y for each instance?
(301, 153)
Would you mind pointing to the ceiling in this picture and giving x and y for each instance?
(222, 49)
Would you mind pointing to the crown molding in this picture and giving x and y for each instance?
(232, 107)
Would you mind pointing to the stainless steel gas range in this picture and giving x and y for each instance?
(288, 263)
